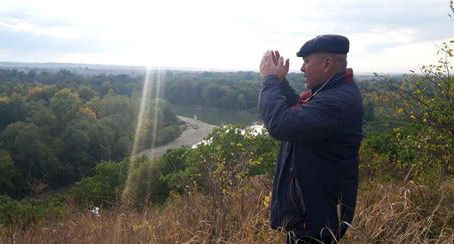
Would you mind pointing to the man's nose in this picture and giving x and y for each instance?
(302, 68)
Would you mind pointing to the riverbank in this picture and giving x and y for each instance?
(217, 116)
(195, 132)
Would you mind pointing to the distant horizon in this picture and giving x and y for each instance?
(9, 64)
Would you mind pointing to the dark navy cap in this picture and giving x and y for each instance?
(325, 43)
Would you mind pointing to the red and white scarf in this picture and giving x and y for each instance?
(306, 96)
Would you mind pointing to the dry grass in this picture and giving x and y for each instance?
(404, 213)
(387, 213)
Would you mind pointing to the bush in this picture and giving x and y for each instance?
(228, 159)
(104, 187)
(10, 210)
(144, 183)
(22, 214)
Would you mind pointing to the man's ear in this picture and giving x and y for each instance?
(328, 63)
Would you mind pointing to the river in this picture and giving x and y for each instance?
(195, 132)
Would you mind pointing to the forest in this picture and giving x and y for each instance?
(56, 127)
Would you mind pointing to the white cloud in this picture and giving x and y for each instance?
(399, 58)
(65, 32)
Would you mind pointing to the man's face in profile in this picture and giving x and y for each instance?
(312, 69)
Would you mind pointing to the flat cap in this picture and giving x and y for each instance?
(325, 43)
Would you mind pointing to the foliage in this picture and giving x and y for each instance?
(23, 214)
(52, 135)
(425, 146)
(228, 90)
(223, 162)
(8, 171)
(226, 160)
(236, 91)
(104, 188)
(144, 184)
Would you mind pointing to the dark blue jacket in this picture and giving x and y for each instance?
(317, 166)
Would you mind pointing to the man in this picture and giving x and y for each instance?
(316, 179)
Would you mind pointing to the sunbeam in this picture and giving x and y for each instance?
(152, 81)
(156, 111)
(142, 110)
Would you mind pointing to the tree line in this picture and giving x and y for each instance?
(227, 90)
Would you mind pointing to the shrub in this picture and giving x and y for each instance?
(144, 184)
(104, 187)
(27, 212)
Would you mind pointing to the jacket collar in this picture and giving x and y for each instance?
(336, 79)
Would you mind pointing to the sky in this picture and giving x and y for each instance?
(385, 36)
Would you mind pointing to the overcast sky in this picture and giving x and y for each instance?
(385, 36)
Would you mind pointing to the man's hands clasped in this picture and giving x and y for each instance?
(273, 64)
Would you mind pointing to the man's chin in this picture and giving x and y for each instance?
(306, 84)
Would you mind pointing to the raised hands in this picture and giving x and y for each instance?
(273, 64)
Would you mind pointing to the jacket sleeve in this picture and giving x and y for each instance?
(288, 92)
(314, 121)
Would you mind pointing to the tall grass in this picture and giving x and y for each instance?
(386, 213)
(404, 213)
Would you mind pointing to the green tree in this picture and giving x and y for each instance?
(86, 93)
(44, 117)
(65, 105)
(11, 110)
(104, 188)
(7, 171)
(144, 184)
(27, 146)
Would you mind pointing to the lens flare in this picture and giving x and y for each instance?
(143, 123)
